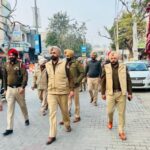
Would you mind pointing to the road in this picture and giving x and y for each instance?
(89, 134)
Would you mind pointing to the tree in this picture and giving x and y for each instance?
(137, 12)
(7, 21)
(137, 6)
(125, 32)
(125, 23)
(64, 33)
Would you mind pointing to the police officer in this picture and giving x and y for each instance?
(116, 84)
(58, 90)
(15, 81)
(40, 82)
(76, 72)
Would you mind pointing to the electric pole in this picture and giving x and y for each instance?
(36, 16)
(116, 26)
(117, 35)
(135, 38)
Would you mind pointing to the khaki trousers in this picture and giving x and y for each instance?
(93, 84)
(43, 97)
(12, 96)
(83, 85)
(117, 100)
(53, 102)
(76, 102)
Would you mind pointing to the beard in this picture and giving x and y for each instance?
(68, 59)
(12, 60)
(54, 58)
(114, 62)
(93, 58)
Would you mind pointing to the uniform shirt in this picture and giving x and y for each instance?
(75, 73)
(15, 75)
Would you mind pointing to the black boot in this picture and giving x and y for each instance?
(7, 132)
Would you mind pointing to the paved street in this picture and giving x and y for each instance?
(89, 134)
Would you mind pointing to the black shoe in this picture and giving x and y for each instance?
(77, 119)
(69, 113)
(50, 140)
(91, 100)
(7, 132)
(68, 129)
(61, 123)
(27, 122)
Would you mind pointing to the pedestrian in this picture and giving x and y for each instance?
(58, 90)
(93, 72)
(15, 80)
(76, 74)
(1, 80)
(40, 82)
(115, 83)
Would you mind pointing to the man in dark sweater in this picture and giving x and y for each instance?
(93, 72)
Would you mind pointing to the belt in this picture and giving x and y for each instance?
(14, 86)
(117, 90)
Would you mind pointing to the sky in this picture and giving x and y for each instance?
(96, 14)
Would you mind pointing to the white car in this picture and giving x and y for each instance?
(140, 74)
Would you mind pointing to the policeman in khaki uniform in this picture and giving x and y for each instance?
(115, 83)
(76, 72)
(40, 82)
(83, 82)
(58, 90)
(15, 81)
